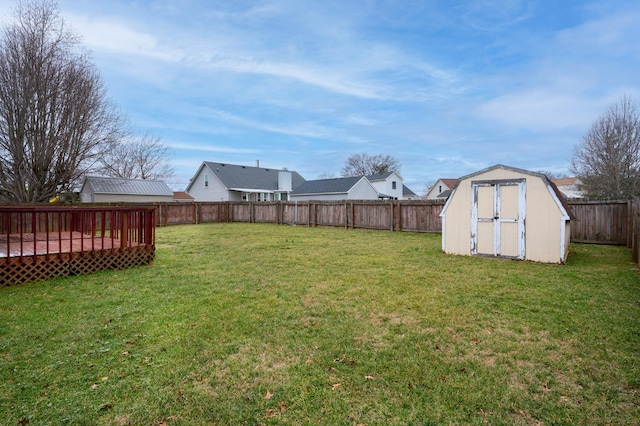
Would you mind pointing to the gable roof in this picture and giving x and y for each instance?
(379, 176)
(562, 202)
(408, 192)
(121, 186)
(238, 177)
(327, 186)
(181, 195)
(449, 182)
(445, 194)
(565, 181)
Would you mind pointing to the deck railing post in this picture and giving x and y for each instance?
(124, 229)
(149, 226)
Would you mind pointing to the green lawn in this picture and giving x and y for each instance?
(265, 324)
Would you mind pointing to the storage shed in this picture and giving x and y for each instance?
(507, 212)
(97, 189)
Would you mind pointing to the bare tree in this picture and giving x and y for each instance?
(607, 161)
(145, 157)
(55, 119)
(365, 164)
(327, 175)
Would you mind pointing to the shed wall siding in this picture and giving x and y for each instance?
(86, 195)
(544, 221)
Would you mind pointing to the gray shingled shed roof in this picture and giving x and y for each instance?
(246, 177)
(108, 185)
(327, 186)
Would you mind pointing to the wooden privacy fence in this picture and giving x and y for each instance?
(600, 222)
(412, 216)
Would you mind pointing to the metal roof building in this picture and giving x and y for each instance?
(96, 189)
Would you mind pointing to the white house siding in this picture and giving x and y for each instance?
(438, 188)
(362, 190)
(386, 186)
(215, 191)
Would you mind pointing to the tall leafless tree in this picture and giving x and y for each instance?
(145, 157)
(55, 118)
(365, 164)
(607, 161)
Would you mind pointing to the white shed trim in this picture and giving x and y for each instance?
(496, 218)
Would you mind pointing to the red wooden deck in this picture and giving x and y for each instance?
(42, 242)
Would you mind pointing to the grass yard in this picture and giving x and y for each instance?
(264, 324)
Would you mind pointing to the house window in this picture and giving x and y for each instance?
(393, 185)
(245, 196)
(206, 181)
(284, 196)
(440, 189)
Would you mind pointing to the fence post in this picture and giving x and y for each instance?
(630, 223)
(391, 215)
(635, 235)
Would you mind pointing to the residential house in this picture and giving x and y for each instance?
(408, 194)
(441, 189)
(182, 197)
(97, 189)
(231, 182)
(388, 185)
(569, 187)
(349, 188)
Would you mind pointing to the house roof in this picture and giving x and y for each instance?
(565, 181)
(445, 194)
(121, 186)
(379, 176)
(408, 192)
(181, 195)
(450, 182)
(327, 186)
(241, 177)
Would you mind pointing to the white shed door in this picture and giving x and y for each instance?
(497, 218)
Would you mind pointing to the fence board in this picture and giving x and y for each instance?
(600, 222)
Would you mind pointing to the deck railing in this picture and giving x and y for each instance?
(39, 242)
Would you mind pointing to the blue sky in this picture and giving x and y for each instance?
(448, 87)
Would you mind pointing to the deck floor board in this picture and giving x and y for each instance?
(42, 243)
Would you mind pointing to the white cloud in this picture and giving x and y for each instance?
(539, 109)
(211, 148)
